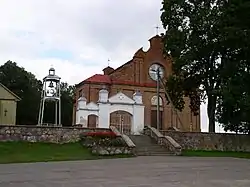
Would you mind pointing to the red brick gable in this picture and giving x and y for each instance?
(131, 73)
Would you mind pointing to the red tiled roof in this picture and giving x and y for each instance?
(98, 78)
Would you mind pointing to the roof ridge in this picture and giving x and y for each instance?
(12, 93)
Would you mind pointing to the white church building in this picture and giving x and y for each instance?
(107, 105)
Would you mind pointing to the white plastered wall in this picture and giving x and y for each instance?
(105, 106)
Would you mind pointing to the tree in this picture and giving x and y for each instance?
(67, 103)
(27, 87)
(192, 39)
(208, 45)
(234, 105)
(234, 102)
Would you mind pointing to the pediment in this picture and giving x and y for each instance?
(92, 106)
(6, 94)
(121, 98)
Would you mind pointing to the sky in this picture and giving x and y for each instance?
(77, 37)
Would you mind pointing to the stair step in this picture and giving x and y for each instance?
(146, 146)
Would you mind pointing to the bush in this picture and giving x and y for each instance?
(106, 139)
(108, 134)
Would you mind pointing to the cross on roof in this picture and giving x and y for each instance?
(157, 29)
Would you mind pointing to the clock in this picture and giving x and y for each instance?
(153, 71)
(51, 93)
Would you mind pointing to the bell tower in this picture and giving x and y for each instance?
(51, 92)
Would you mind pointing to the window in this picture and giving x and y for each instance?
(154, 100)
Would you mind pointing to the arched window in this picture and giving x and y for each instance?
(154, 100)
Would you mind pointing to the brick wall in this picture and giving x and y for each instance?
(124, 73)
(43, 134)
(211, 141)
(136, 71)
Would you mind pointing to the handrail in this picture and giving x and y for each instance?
(126, 139)
(167, 141)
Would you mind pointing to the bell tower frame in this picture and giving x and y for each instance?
(51, 92)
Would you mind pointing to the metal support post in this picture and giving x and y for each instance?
(158, 99)
(60, 107)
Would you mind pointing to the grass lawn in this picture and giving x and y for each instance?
(216, 154)
(18, 152)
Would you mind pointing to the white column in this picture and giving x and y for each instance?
(77, 118)
(138, 120)
(104, 115)
(82, 112)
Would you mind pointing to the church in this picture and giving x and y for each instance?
(136, 75)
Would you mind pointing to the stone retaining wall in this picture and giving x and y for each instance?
(101, 150)
(43, 134)
(210, 141)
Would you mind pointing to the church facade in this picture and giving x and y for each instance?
(136, 75)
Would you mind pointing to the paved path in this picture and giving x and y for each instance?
(131, 172)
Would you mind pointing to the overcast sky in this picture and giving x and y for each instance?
(77, 37)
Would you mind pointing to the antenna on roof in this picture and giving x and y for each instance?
(108, 62)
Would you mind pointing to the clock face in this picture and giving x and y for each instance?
(51, 92)
(153, 71)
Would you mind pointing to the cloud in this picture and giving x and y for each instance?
(77, 37)
(84, 34)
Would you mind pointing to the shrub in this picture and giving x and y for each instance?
(108, 134)
(105, 139)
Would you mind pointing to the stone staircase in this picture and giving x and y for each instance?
(146, 146)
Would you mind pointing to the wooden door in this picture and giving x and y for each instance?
(92, 121)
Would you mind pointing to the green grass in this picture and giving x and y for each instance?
(200, 153)
(20, 152)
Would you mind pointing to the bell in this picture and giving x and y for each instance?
(51, 84)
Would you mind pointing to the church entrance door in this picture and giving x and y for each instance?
(122, 121)
(92, 121)
(154, 119)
